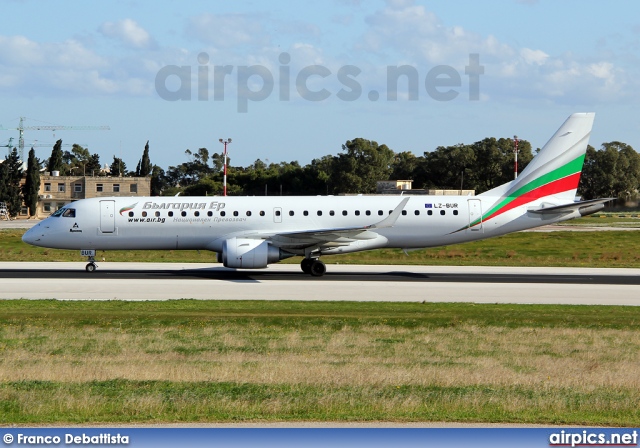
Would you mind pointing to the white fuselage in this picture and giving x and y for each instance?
(206, 222)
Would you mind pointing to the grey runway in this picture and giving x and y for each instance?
(164, 281)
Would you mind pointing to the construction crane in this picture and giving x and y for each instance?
(9, 145)
(21, 128)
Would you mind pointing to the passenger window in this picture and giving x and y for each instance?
(69, 213)
(442, 212)
(455, 212)
(344, 213)
(262, 213)
(209, 213)
(248, 212)
(380, 212)
(357, 212)
(170, 214)
(404, 212)
(278, 213)
(131, 214)
(235, 213)
(429, 212)
(417, 212)
(331, 212)
(291, 213)
(368, 213)
(305, 213)
(144, 214)
(196, 214)
(183, 213)
(319, 212)
(223, 213)
(157, 214)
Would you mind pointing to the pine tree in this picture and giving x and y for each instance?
(55, 161)
(118, 167)
(31, 186)
(3, 181)
(145, 163)
(13, 195)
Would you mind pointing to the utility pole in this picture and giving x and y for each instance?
(515, 152)
(225, 142)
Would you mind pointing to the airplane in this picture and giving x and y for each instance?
(253, 232)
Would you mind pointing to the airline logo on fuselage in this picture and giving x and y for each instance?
(214, 205)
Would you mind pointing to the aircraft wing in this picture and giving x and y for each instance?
(334, 236)
(583, 207)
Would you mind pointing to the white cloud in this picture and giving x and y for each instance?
(128, 32)
(227, 30)
(410, 32)
(537, 57)
(31, 68)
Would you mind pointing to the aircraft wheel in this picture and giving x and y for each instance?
(305, 265)
(318, 268)
(90, 267)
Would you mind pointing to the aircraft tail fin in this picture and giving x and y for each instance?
(554, 173)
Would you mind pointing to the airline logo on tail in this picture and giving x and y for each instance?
(560, 180)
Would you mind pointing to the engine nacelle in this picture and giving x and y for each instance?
(249, 253)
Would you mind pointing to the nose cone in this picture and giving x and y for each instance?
(32, 236)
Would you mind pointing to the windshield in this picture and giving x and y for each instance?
(66, 212)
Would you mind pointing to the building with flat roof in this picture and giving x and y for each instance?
(57, 191)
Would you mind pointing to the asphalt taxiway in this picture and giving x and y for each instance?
(165, 281)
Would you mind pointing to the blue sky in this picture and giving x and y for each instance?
(112, 63)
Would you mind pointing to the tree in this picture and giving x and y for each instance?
(31, 186)
(361, 166)
(79, 158)
(118, 167)
(4, 176)
(93, 165)
(611, 171)
(12, 167)
(159, 181)
(145, 163)
(55, 161)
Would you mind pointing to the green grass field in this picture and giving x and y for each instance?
(209, 361)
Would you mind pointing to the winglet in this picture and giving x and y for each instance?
(390, 220)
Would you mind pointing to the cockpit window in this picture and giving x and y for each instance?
(59, 212)
(69, 213)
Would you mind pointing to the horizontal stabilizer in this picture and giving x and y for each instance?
(584, 207)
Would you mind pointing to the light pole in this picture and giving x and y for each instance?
(224, 176)
(515, 151)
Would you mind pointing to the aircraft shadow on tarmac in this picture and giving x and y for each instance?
(296, 275)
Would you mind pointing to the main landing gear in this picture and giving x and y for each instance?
(313, 266)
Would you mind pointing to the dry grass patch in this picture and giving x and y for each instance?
(368, 355)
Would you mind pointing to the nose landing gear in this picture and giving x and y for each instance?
(90, 254)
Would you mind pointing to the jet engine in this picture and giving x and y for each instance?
(250, 254)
